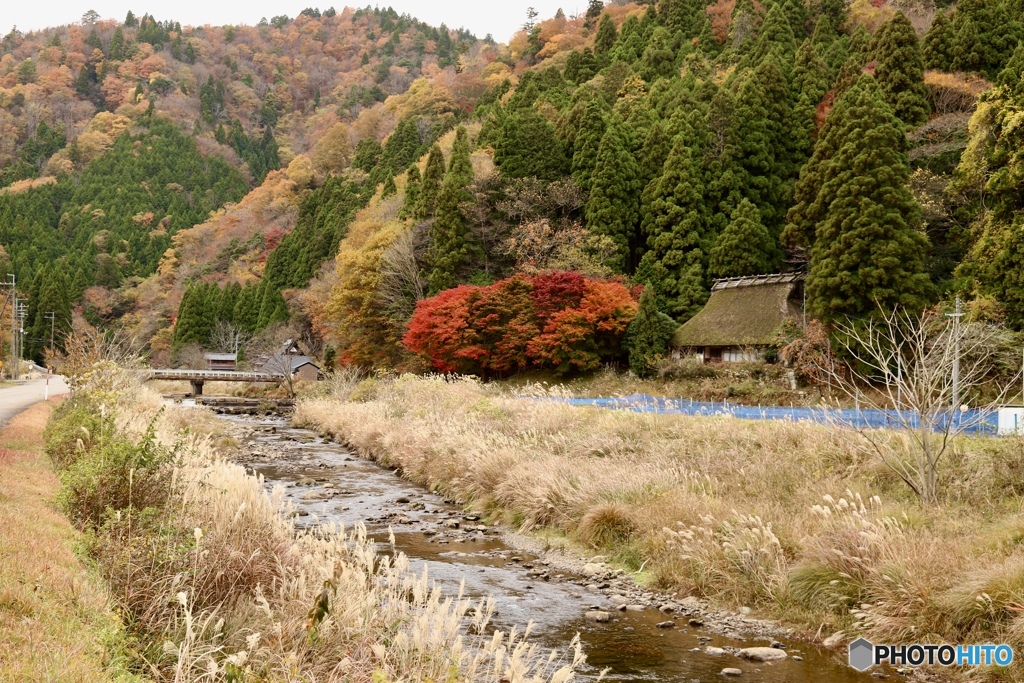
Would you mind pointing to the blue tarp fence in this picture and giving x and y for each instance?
(972, 421)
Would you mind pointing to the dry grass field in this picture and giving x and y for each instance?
(784, 517)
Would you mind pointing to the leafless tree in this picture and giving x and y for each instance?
(264, 353)
(226, 338)
(91, 357)
(906, 361)
(401, 284)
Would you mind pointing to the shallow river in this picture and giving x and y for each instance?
(326, 482)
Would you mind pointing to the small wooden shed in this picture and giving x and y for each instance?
(221, 361)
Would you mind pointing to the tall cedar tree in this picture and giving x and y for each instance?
(448, 234)
(613, 207)
(939, 42)
(588, 139)
(659, 59)
(681, 16)
(606, 37)
(775, 35)
(677, 225)
(810, 85)
(868, 251)
(412, 192)
(987, 33)
(810, 201)
(900, 70)
(649, 335)
(433, 176)
(745, 247)
(528, 147)
(768, 142)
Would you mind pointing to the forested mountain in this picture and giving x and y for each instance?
(666, 144)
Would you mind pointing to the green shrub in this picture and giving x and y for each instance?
(114, 475)
(74, 428)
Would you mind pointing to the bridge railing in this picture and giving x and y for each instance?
(213, 375)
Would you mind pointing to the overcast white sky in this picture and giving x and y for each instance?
(498, 17)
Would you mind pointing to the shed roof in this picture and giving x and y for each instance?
(742, 312)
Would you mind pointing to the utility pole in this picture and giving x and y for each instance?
(14, 335)
(956, 353)
(52, 317)
(9, 283)
(21, 309)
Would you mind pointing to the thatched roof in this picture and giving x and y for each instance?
(742, 312)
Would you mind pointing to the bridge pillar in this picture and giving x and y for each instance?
(197, 388)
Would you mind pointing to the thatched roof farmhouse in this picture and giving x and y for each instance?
(743, 317)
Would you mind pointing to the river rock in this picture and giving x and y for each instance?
(834, 640)
(599, 616)
(667, 609)
(451, 523)
(714, 651)
(696, 622)
(665, 624)
(729, 671)
(762, 654)
(636, 608)
(592, 569)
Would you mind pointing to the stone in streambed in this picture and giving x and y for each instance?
(599, 616)
(762, 654)
(732, 672)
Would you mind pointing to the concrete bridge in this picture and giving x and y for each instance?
(198, 377)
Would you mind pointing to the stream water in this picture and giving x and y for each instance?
(326, 482)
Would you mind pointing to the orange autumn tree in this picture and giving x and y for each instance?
(562, 321)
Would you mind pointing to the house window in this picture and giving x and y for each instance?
(714, 354)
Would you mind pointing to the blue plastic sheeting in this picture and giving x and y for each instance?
(971, 421)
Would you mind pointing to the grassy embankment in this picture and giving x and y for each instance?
(56, 621)
(786, 518)
(216, 584)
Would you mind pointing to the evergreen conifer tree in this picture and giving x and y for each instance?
(745, 247)
(246, 314)
(433, 176)
(810, 85)
(613, 206)
(449, 234)
(775, 35)
(868, 250)
(528, 147)
(678, 235)
(967, 48)
(796, 12)
(606, 37)
(649, 335)
(659, 59)
(412, 192)
(939, 42)
(588, 140)
(192, 325)
(900, 70)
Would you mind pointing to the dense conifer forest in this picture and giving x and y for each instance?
(405, 196)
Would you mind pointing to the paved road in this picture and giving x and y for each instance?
(15, 398)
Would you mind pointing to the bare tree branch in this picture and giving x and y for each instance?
(902, 363)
